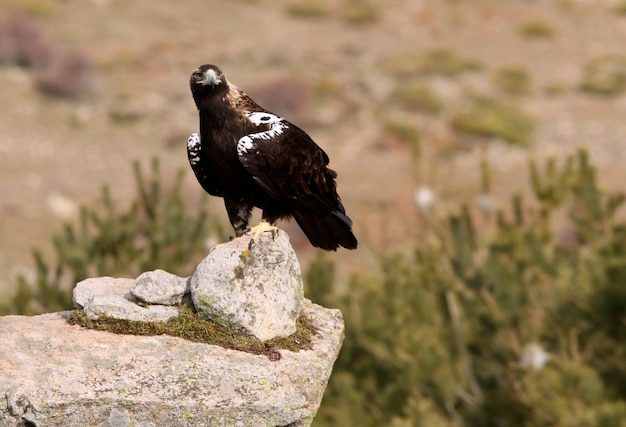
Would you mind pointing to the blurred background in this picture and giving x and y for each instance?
(450, 124)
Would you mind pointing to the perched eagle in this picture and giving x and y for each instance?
(254, 158)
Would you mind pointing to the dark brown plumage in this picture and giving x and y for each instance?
(253, 158)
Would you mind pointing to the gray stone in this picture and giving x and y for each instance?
(53, 374)
(118, 307)
(254, 287)
(160, 287)
(88, 288)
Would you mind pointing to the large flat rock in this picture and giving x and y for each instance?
(56, 374)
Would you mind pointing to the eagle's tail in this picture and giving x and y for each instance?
(327, 231)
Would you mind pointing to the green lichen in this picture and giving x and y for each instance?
(189, 326)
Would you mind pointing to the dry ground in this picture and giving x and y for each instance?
(56, 154)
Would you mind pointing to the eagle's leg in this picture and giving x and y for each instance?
(238, 214)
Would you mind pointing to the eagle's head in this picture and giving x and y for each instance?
(206, 80)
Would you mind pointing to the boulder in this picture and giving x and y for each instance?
(55, 374)
(253, 285)
(160, 287)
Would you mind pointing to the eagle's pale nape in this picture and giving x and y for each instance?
(253, 158)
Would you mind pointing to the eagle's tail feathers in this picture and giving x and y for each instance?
(327, 231)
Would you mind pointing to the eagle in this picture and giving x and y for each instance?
(252, 157)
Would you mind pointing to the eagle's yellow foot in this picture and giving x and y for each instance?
(263, 227)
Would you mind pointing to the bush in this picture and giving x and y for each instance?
(417, 97)
(605, 75)
(437, 61)
(537, 28)
(360, 11)
(620, 7)
(512, 80)
(445, 62)
(508, 327)
(489, 118)
(156, 231)
(308, 9)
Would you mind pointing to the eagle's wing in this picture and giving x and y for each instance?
(286, 163)
(197, 159)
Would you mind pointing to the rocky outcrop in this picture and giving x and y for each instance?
(249, 285)
(56, 374)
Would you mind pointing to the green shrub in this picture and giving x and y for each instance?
(361, 11)
(493, 119)
(445, 62)
(512, 80)
(605, 75)
(437, 61)
(537, 28)
(417, 97)
(156, 231)
(308, 9)
(437, 336)
(556, 88)
(620, 7)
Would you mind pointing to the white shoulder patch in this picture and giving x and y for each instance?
(194, 145)
(277, 126)
(262, 118)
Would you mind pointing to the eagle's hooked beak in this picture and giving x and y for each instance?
(210, 77)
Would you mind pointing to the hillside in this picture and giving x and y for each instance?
(379, 87)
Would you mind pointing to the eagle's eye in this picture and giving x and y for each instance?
(198, 74)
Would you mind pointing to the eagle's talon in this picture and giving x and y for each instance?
(263, 227)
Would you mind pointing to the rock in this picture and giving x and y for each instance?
(118, 307)
(88, 288)
(53, 374)
(111, 297)
(254, 287)
(160, 287)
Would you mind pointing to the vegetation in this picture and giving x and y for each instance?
(157, 231)
(605, 75)
(445, 62)
(512, 80)
(361, 11)
(518, 323)
(436, 61)
(448, 334)
(537, 28)
(189, 326)
(308, 9)
(417, 97)
(620, 7)
(493, 119)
